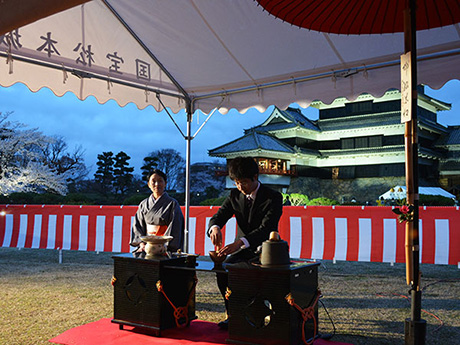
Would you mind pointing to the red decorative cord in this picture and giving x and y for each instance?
(307, 313)
(179, 312)
(441, 323)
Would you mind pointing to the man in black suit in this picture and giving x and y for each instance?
(257, 210)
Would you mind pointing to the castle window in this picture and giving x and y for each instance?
(359, 107)
(392, 169)
(346, 172)
(375, 141)
(361, 142)
(393, 140)
(347, 143)
(368, 171)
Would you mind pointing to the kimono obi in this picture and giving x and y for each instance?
(156, 230)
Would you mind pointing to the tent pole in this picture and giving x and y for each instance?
(188, 140)
(415, 327)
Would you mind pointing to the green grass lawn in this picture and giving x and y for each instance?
(367, 302)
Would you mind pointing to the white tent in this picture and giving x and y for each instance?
(226, 54)
(399, 192)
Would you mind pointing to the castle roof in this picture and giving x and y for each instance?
(284, 119)
(452, 138)
(360, 121)
(252, 141)
(262, 139)
(373, 120)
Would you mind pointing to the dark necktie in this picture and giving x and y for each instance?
(247, 206)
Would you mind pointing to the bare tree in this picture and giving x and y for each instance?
(69, 164)
(171, 163)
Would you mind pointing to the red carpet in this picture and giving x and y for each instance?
(103, 332)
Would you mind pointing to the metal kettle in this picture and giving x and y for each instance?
(275, 252)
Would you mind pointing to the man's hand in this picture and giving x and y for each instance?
(141, 247)
(231, 248)
(216, 236)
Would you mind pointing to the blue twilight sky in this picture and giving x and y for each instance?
(109, 127)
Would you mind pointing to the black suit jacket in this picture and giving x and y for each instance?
(264, 215)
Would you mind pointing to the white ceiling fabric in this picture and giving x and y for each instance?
(231, 49)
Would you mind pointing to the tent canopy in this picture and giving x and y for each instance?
(399, 192)
(225, 54)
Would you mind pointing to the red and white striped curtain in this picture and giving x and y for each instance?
(351, 233)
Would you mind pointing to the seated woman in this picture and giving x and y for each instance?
(159, 215)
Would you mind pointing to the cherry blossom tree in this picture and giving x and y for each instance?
(25, 164)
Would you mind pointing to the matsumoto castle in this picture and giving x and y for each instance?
(354, 149)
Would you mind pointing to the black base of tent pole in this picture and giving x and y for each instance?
(415, 327)
(415, 332)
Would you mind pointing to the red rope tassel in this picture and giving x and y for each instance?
(306, 313)
(179, 312)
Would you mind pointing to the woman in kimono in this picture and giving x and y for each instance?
(158, 215)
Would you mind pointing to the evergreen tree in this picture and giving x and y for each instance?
(150, 163)
(104, 174)
(122, 173)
